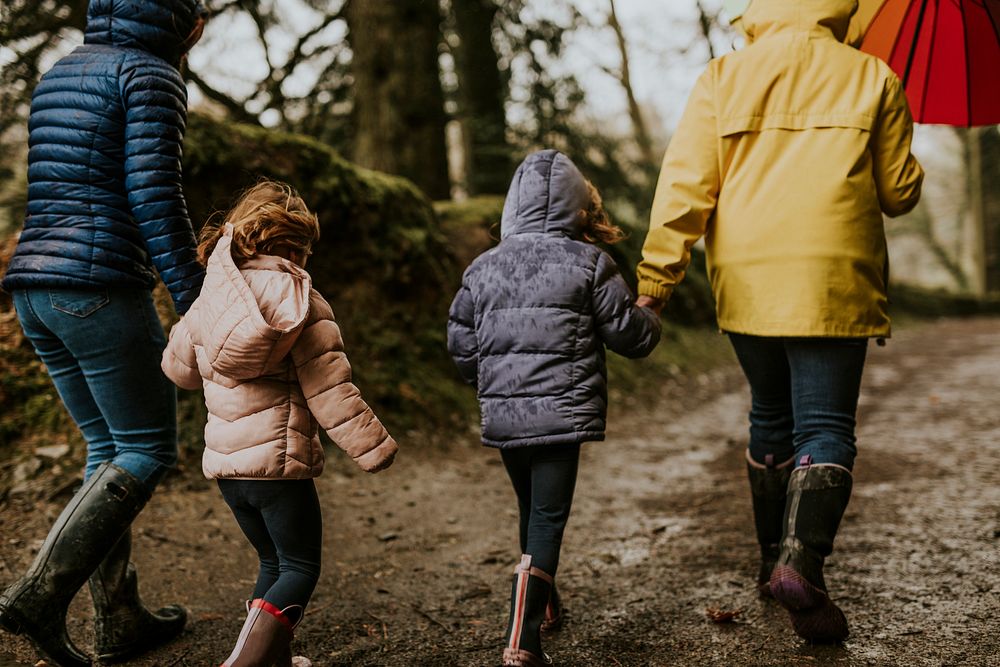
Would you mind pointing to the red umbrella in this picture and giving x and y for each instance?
(947, 52)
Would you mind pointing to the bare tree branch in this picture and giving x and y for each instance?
(238, 111)
(706, 21)
(642, 137)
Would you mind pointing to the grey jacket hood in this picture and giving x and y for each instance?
(546, 196)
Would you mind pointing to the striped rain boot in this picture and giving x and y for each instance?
(529, 599)
(554, 612)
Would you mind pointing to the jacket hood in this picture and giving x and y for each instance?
(763, 17)
(252, 314)
(546, 196)
(159, 27)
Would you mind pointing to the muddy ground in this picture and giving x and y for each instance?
(417, 559)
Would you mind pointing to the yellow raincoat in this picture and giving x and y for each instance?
(786, 157)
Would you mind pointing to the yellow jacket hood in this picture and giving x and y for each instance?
(765, 17)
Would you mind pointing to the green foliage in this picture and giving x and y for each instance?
(920, 302)
(32, 411)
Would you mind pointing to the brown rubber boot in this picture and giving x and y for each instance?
(266, 637)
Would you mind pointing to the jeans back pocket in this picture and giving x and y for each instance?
(78, 302)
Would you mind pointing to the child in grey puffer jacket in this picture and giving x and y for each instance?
(529, 327)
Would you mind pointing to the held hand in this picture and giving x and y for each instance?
(655, 305)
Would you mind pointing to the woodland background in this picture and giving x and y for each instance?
(401, 123)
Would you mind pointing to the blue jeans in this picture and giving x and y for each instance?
(102, 348)
(804, 396)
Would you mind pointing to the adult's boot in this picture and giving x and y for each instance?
(94, 520)
(817, 497)
(769, 489)
(266, 637)
(123, 626)
(528, 600)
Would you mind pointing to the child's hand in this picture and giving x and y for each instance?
(383, 464)
(655, 305)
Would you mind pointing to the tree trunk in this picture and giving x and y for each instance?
(990, 182)
(482, 94)
(977, 217)
(398, 100)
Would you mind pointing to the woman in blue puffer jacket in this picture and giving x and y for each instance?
(529, 328)
(105, 215)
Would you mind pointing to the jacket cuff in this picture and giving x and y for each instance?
(658, 292)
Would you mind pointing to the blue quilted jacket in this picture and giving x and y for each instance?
(530, 322)
(105, 204)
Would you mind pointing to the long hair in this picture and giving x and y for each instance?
(594, 225)
(267, 216)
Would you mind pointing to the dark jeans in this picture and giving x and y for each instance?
(804, 396)
(283, 521)
(102, 348)
(544, 477)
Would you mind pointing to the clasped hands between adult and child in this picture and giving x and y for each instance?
(655, 305)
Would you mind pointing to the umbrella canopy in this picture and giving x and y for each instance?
(947, 53)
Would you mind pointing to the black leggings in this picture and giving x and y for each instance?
(282, 520)
(544, 477)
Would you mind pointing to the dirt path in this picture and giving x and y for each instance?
(418, 559)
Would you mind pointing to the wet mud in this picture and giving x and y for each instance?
(418, 559)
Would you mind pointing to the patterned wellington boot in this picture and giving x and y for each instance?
(528, 600)
(817, 498)
(89, 526)
(123, 626)
(266, 637)
(769, 489)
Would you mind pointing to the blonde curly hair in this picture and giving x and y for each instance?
(267, 217)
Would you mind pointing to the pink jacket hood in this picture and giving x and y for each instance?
(256, 314)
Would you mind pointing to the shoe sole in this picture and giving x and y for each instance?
(814, 616)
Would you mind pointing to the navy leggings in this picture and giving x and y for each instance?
(283, 521)
(544, 477)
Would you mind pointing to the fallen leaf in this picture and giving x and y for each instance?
(717, 615)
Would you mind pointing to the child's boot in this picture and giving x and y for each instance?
(529, 598)
(266, 637)
(553, 612)
(817, 498)
(769, 489)
(123, 626)
(86, 530)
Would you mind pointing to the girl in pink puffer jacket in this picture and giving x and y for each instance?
(266, 349)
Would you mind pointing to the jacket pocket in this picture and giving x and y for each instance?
(78, 303)
(794, 121)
